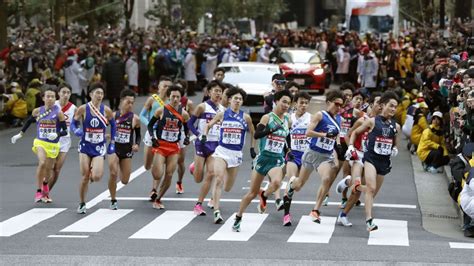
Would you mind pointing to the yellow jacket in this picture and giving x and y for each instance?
(430, 141)
(418, 129)
(17, 106)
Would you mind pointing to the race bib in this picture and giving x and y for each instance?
(94, 136)
(44, 131)
(275, 144)
(122, 136)
(231, 136)
(170, 135)
(299, 142)
(326, 144)
(383, 146)
(213, 131)
(345, 127)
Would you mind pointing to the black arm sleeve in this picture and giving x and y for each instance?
(64, 130)
(27, 124)
(138, 135)
(186, 129)
(151, 124)
(261, 131)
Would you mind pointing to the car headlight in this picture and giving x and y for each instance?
(318, 71)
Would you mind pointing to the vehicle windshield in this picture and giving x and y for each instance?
(304, 56)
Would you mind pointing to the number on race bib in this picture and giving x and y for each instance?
(383, 146)
(299, 142)
(325, 144)
(275, 144)
(170, 136)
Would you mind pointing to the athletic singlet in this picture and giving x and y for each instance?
(94, 132)
(156, 104)
(69, 109)
(47, 123)
(232, 130)
(124, 134)
(347, 121)
(361, 141)
(272, 145)
(299, 126)
(327, 123)
(209, 112)
(380, 139)
(169, 126)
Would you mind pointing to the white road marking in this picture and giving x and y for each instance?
(26, 220)
(165, 225)
(97, 221)
(68, 236)
(461, 245)
(251, 222)
(389, 233)
(308, 231)
(299, 202)
(106, 193)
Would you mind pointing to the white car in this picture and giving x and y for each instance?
(254, 78)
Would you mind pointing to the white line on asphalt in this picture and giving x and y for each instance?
(299, 202)
(106, 193)
(165, 225)
(461, 245)
(389, 233)
(68, 236)
(26, 220)
(307, 232)
(250, 226)
(97, 221)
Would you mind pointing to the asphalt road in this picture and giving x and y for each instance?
(137, 234)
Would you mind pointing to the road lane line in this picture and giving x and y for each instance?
(308, 231)
(165, 225)
(26, 220)
(97, 221)
(251, 222)
(461, 245)
(389, 233)
(106, 193)
(68, 236)
(299, 202)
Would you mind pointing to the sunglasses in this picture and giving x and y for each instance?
(338, 104)
(280, 82)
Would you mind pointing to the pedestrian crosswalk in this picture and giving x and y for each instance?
(170, 222)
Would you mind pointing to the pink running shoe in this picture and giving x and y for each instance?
(198, 210)
(191, 168)
(38, 196)
(287, 220)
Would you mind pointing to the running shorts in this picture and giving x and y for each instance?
(51, 149)
(166, 148)
(382, 164)
(205, 150)
(263, 164)
(231, 157)
(65, 144)
(312, 159)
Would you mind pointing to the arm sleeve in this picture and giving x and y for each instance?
(186, 129)
(144, 116)
(113, 129)
(191, 125)
(27, 124)
(261, 131)
(138, 135)
(74, 124)
(150, 126)
(63, 126)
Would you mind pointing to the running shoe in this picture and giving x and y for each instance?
(279, 204)
(343, 203)
(343, 184)
(217, 217)
(153, 195)
(290, 191)
(179, 188)
(38, 196)
(315, 216)
(210, 204)
(46, 199)
(358, 203)
(236, 226)
(262, 206)
(287, 220)
(158, 205)
(355, 185)
(113, 205)
(370, 225)
(326, 200)
(198, 210)
(342, 220)
(82, 208)
(45, 189)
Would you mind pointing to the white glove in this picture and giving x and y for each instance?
(394, 151)
(17, 137)
(52, 136)
(349, 152)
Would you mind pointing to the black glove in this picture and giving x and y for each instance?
(203, 139)
(253, 154)
(155, 143)
(186, 141)
(331, 134)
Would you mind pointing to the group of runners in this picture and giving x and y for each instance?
(355, 134)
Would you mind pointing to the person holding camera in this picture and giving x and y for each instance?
(432, 148)
(278, 83)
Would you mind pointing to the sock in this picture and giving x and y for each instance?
(45, 182)
(277, 201)
(287, 204)
(237, 218)
(198, 203)
(343, 214)
(113, 201)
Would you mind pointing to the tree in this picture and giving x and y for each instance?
(128, 10)
(462, 9)
(92, 21)
(3, 24)
(57, 19)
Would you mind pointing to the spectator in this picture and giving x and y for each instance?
(466, 199)
(211, 62)
(33, 95)
(88, 73)
(113, 75)
(343, 60)
(131, 69)
(190, 68)
(73, 75)
(15, 108)
(278, 84)
(419, 124)
(432, 149)
(368, 70)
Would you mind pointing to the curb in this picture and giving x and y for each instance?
(448, 175)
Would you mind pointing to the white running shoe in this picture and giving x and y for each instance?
(343, 221)
(343, 184)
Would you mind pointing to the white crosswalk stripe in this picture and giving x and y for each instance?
(26, 220)
(165, 225)
(96, 221)
(251, 222)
